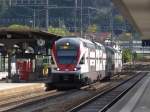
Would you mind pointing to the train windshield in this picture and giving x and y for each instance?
(67, 55)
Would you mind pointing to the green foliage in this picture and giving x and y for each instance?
(126, 55)
(99, 18)
(137, 56)
(59, 31)
(18, 27)
(125, 36)
(119, 19)
(92, 29)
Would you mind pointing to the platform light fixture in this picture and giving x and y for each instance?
(9, 36)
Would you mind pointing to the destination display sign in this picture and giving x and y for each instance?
(145, 42)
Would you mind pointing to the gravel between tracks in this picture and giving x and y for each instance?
(69, 100)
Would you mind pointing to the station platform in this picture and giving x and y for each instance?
(136, 100)
(13, 88)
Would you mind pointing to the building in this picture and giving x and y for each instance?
(136, 46)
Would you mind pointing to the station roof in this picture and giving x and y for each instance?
(13, 36)
(138, 14)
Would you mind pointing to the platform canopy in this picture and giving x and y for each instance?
(9, 37)
(138, 14)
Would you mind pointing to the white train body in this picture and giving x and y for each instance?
(113, 60)
(78, 60)
(118, 58)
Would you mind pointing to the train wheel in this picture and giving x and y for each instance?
(79, 86)
(89, 81)
(108, 77)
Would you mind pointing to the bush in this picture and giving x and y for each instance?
(126, 55)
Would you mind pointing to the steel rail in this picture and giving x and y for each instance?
(104, 100)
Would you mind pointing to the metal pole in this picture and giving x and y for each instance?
(111, 22)
(81, 29)
(38, 19)
(34, 18)
(131, 49)
(10, 3)
(47, 15)
(75, 25)
(111, 25)
(89, 16)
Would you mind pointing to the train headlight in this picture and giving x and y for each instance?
(58, 69)
(75, 69)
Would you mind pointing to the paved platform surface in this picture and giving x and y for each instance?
(6, 86)
(7, 89)
(136, 100)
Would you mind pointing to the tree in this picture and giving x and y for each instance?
(127, 55)
(18, 27)
(92, 28)
(59, 31)
(125, 36)
(137, 57)
(119, 19)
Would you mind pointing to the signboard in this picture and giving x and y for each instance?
(145, 42)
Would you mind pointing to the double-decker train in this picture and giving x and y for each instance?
(77, 61)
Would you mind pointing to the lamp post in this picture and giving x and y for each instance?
(31, 22)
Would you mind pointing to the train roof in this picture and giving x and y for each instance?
(76, 39)
(112, 49)
(99, 44)
(83, 40)
(86, 40)
(79, 39)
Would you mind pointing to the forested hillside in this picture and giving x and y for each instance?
(64, 13)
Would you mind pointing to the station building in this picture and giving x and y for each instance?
(25, 52)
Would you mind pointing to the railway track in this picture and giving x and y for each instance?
(103, 101)
(9, 104)
(66, 101)
(56, 101)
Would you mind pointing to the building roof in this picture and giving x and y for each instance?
(138, 14)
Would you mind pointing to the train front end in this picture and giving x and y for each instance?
(65, 59)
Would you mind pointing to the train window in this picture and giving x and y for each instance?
(84, 44)
(82, 61)
(67, 59)
(96, 46)
(67, 53)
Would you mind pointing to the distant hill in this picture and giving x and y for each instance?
(93, 13)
